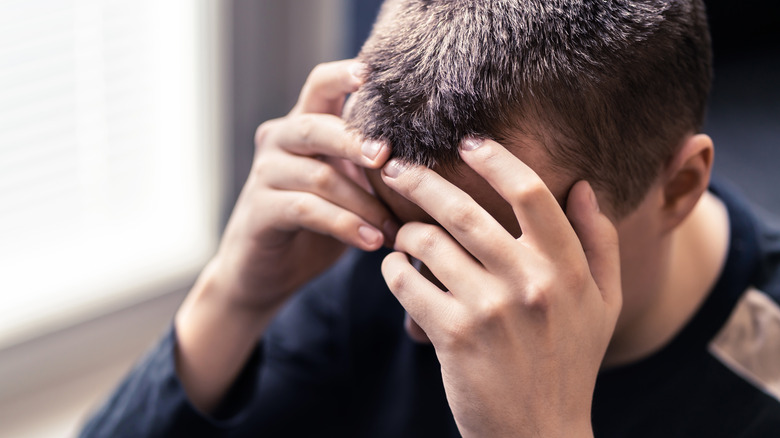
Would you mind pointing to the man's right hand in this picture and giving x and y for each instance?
(305, 200)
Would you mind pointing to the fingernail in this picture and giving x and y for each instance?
(369, 235)
(358, 70)
(371, 149)
(393, 168)
(471, 143)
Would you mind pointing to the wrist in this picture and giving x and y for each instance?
(217, 298)
(521, 426)
(215, 337)
(580, 429)
(582, 432)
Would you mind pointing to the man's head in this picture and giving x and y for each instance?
(608, 89)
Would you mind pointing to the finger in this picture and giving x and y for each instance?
(351, 171)
(455, 268)
(476, 230)
(321, 134)
(308, 211)
(599, 240)
(328, 85)
(320, 178)
(540, 216)
(423, 301)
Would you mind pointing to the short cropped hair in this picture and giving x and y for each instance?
(609, 88)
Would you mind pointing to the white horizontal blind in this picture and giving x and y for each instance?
(108, 171)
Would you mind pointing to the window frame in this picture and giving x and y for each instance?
(98, 335)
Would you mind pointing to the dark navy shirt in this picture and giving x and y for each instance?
(336, 362)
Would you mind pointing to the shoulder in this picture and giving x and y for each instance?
(748, 344)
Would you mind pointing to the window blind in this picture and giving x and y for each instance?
(109, 159)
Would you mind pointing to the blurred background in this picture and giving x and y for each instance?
(126, 133)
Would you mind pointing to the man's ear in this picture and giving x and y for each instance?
(686, 178)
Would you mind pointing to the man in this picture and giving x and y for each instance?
(520, 132)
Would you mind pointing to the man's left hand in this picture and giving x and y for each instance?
(524, 323)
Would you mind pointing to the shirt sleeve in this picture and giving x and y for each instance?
(151, 401)
(296, 382)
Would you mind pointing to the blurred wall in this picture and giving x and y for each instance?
(744, 110)
(275, 43)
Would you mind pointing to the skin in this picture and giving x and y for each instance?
(672, 246)
(502, 288)
(296, 215)
(521, 322)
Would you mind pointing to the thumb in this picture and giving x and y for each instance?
(599, 240)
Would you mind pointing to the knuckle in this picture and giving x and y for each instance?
(427, 241)
(493, 310)
(305, 130)
(530, 193)
(413, 183)
(489, 154)
(537, 298)
(317, 77)
(570, 279)
(263, 132)
(611, 238)
(462, 333)
(577, 274)
(260, 166)
(343, 223)
(397, 280)
(454, 336)
(298, 208)
(464, 216)
(317, 71)
(321, 178)
(350, 148)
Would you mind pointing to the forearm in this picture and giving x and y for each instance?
(214, 340)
